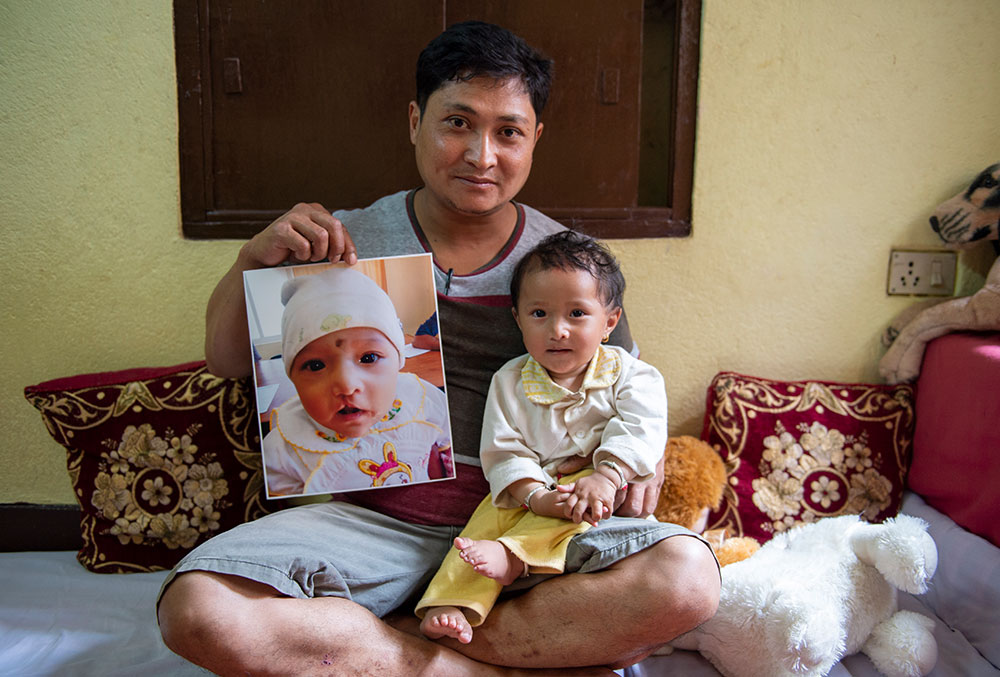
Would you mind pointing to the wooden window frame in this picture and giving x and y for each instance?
(202, 220)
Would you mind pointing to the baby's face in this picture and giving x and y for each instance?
(346, 380)
(563, 320)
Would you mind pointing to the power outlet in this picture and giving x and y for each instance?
(922, 272)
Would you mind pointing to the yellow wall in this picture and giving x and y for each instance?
(827, 133)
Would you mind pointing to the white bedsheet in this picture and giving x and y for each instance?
(57, 618)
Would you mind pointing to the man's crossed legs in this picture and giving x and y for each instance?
(238, 611)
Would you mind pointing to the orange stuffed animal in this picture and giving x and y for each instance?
(694, 477)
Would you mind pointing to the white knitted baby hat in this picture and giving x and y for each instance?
(337, 298)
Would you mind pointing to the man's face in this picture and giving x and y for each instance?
(346, 380)
(474, 143)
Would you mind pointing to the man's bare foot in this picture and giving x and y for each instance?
(446, 621)
(491, 559)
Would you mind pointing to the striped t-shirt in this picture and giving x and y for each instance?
(478, 336)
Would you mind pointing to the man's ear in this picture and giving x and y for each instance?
(413, 115)
(538, 131)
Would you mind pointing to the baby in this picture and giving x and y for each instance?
(356, 421)
(569, 396)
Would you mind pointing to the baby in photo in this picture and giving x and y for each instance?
(356, 422)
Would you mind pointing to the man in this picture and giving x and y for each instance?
(301, 591)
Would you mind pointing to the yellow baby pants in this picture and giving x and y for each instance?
(538, 541)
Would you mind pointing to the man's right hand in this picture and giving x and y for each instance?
(306, 232)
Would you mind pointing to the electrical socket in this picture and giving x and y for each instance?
(914, 272)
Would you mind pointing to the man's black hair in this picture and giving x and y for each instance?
(569, 250)
(473, 49)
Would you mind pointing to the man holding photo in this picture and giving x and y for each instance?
(302, 591)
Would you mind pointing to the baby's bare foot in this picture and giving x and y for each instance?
(446, 621)
(490, 559)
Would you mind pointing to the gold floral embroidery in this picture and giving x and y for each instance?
(806, 478)
(813, 470)
(153, 490)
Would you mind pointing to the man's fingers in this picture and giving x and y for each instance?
(350, 255)
(316, 238)
(639, 502)
(297, 241)
(338, 245)
(649, 502)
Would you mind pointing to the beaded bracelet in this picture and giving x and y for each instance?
(621, 473)
(527, 499)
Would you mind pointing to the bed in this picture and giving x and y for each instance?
(60, 618)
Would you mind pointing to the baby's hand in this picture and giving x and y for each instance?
(589, 499)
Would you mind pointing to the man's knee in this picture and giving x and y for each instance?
(686, 580)
(177, 612)
(677, 583)
(197, 610)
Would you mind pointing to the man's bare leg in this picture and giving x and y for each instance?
(234, 626)
(645, 600)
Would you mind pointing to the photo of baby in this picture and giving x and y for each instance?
(347, 398)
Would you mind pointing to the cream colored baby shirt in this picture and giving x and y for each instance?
(532, 424)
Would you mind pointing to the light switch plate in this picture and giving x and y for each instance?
(916, 272)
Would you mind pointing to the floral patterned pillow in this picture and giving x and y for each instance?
(797, 451)
(160, 460)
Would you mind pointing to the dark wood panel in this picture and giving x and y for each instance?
(588, 155)
(321, 109)
(685, 110)
(266, 120)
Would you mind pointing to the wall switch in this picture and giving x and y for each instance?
(914, 272)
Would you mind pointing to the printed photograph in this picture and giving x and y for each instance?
(349, 376)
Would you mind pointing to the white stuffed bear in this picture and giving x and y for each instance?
(970, 217)
(819, 592)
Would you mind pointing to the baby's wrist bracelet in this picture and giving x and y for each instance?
(527, 499)
(617, 469)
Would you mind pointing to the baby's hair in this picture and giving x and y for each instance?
(569, 250)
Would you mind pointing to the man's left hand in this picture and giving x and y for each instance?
(641, 497)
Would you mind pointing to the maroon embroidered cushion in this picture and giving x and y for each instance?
(160, 459)
(798, 451)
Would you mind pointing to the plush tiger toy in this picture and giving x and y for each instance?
(965, 220)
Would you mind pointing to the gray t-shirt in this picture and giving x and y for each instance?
(478, 336)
